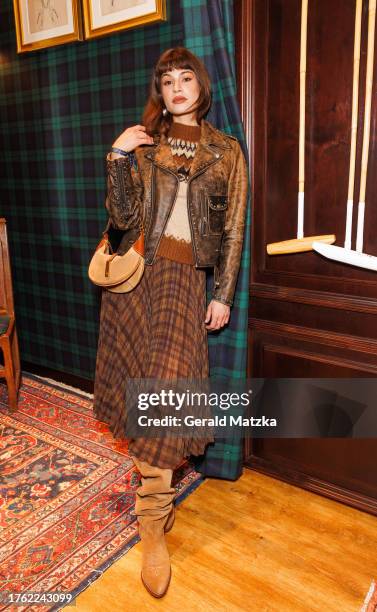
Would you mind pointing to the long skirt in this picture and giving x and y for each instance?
(157, 331)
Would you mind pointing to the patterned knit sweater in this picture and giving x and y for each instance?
(176, 241)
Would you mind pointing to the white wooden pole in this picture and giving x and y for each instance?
(366, 135)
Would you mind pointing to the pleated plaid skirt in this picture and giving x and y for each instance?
(157, 330)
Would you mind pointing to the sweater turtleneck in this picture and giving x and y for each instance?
(183, 140)
(185, 132)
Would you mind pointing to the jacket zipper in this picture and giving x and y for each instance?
(189, 201)
(204, 210)
(121, 185)
(148, 213)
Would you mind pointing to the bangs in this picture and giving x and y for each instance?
(174, 60)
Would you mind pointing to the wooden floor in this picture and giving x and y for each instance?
(257, 544)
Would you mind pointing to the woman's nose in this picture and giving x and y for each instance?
(176, 87)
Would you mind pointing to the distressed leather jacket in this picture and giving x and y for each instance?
(143, 194)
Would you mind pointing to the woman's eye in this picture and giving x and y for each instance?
(168, 82)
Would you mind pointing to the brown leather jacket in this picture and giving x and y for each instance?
(145, 192)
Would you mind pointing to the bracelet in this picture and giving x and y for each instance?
(121, 152)
(130, 155)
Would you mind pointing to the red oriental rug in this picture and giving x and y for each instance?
(67, 494)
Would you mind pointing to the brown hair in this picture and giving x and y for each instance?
(179, 58)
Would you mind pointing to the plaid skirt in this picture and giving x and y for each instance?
(157, 330)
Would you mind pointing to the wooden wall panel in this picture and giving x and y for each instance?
(328, 120)
(309, 316)
(308, 354)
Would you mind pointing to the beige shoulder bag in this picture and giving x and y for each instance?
(114, 272)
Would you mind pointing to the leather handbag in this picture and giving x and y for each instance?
(118, 271)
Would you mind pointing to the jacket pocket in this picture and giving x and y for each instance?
(216, 207)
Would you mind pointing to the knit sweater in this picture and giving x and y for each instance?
(176, 241)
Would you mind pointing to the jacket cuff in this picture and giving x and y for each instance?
(128, 160)
(121, 161)
(220, 298)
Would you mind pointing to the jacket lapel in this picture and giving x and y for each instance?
(208, 151)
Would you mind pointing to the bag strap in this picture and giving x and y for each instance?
(105, 238)
(138, 245)
(107, 227)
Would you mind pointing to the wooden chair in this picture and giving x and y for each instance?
(8, 333)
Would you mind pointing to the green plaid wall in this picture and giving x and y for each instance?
(60, 111)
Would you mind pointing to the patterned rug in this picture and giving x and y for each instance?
(67, 493)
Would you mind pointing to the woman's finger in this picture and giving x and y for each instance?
(214, 324)
(143, 137)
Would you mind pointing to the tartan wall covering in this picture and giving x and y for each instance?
(60, 110)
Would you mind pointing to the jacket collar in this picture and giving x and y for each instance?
(209, 150)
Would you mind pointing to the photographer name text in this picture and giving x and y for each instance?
(217, 421)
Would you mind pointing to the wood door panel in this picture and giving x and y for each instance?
(301, 353)
(345, 463)
(320, 319)
(309, 316)
(328, 120)
(311, 365)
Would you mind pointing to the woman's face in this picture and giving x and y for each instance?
(180, 90)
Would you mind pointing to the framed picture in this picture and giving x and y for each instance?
(45, 23)
(103, 17)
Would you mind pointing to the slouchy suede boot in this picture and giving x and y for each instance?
(155, 513)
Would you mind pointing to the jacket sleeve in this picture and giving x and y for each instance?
(226, 270)
(124, 192)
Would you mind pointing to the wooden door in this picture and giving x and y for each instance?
(309, 316)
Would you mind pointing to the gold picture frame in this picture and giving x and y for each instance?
(46, 23)
(102, 17)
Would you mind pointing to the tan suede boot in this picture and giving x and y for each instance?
(155, 513)
(171, 518)
(156, 569)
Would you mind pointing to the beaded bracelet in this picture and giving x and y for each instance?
(128, 154)
(121, 152)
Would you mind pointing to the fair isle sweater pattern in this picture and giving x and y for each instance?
(176, 242)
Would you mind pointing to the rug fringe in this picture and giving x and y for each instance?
(368, 597)
(63, 385)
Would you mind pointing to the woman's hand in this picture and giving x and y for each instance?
(217, 315)
(133, 137)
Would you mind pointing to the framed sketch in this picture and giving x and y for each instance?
(45, 23)
(103, 17)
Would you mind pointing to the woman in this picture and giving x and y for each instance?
(186, 183)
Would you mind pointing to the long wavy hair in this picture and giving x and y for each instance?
(179, 58)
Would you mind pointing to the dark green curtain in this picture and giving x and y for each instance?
(209, 32)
